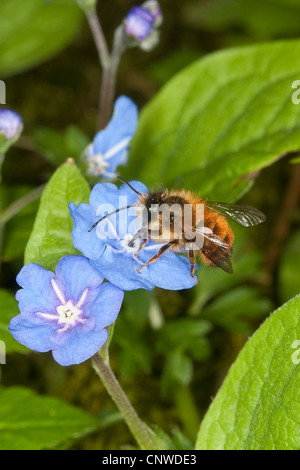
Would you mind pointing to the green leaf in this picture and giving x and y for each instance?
(18, 229)
(32, 422)
(132, 328)
(8, 310)
(180, 333)
(178, 369)
(34, 30)
(261, 18)
(232, 309)
(289, 268)
(258, 405)
(51, 236)
(246, 261)
(220, 121)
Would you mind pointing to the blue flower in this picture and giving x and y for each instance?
(110, 146)
(141, 24)
(66, 312)
(107, 245)
(10, 124)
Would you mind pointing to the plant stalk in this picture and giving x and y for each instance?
(99, 37)
(18, 205)
(145, 437)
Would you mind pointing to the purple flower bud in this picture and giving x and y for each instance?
(155, 10)
(10, 123)
(141, 24)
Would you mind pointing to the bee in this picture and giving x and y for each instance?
(186, 229)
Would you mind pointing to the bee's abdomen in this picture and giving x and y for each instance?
(220, 228)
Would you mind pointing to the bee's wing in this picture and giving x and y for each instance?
(214, 248)
(217, 251)
(243, 215)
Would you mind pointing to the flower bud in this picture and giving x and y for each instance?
(11, 125)
(142, 23)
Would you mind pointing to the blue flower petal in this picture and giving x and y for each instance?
(119, 159)
(87, 242)
(105, 308)
(110, 194)
(104, 193)
(121, 270)
(172, 272)
(122, 126)
(37, 294)
(80, 347)
(33, 336)
(75, 274)
(132, 197)
(104, 198)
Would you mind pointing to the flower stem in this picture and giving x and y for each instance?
(107, 92)
(108, 68)
(99, 37)
(18, 205)
(145, 437)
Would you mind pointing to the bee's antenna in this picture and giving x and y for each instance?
(107, 215)
(123, 181)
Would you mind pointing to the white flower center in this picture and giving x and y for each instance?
(125, 243)
(67, 314)
(97, 164)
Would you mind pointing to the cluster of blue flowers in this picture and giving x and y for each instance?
(68, 312)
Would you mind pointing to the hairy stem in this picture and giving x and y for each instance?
(108, 86)
(144, 436)
(99, 37)
(107, 94)
(109, 63)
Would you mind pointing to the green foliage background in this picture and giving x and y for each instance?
(223, 125)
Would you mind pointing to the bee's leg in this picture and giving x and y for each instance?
(137, 235)
(142, 245)
(140, 233)
(160, 252)
(192, 260)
